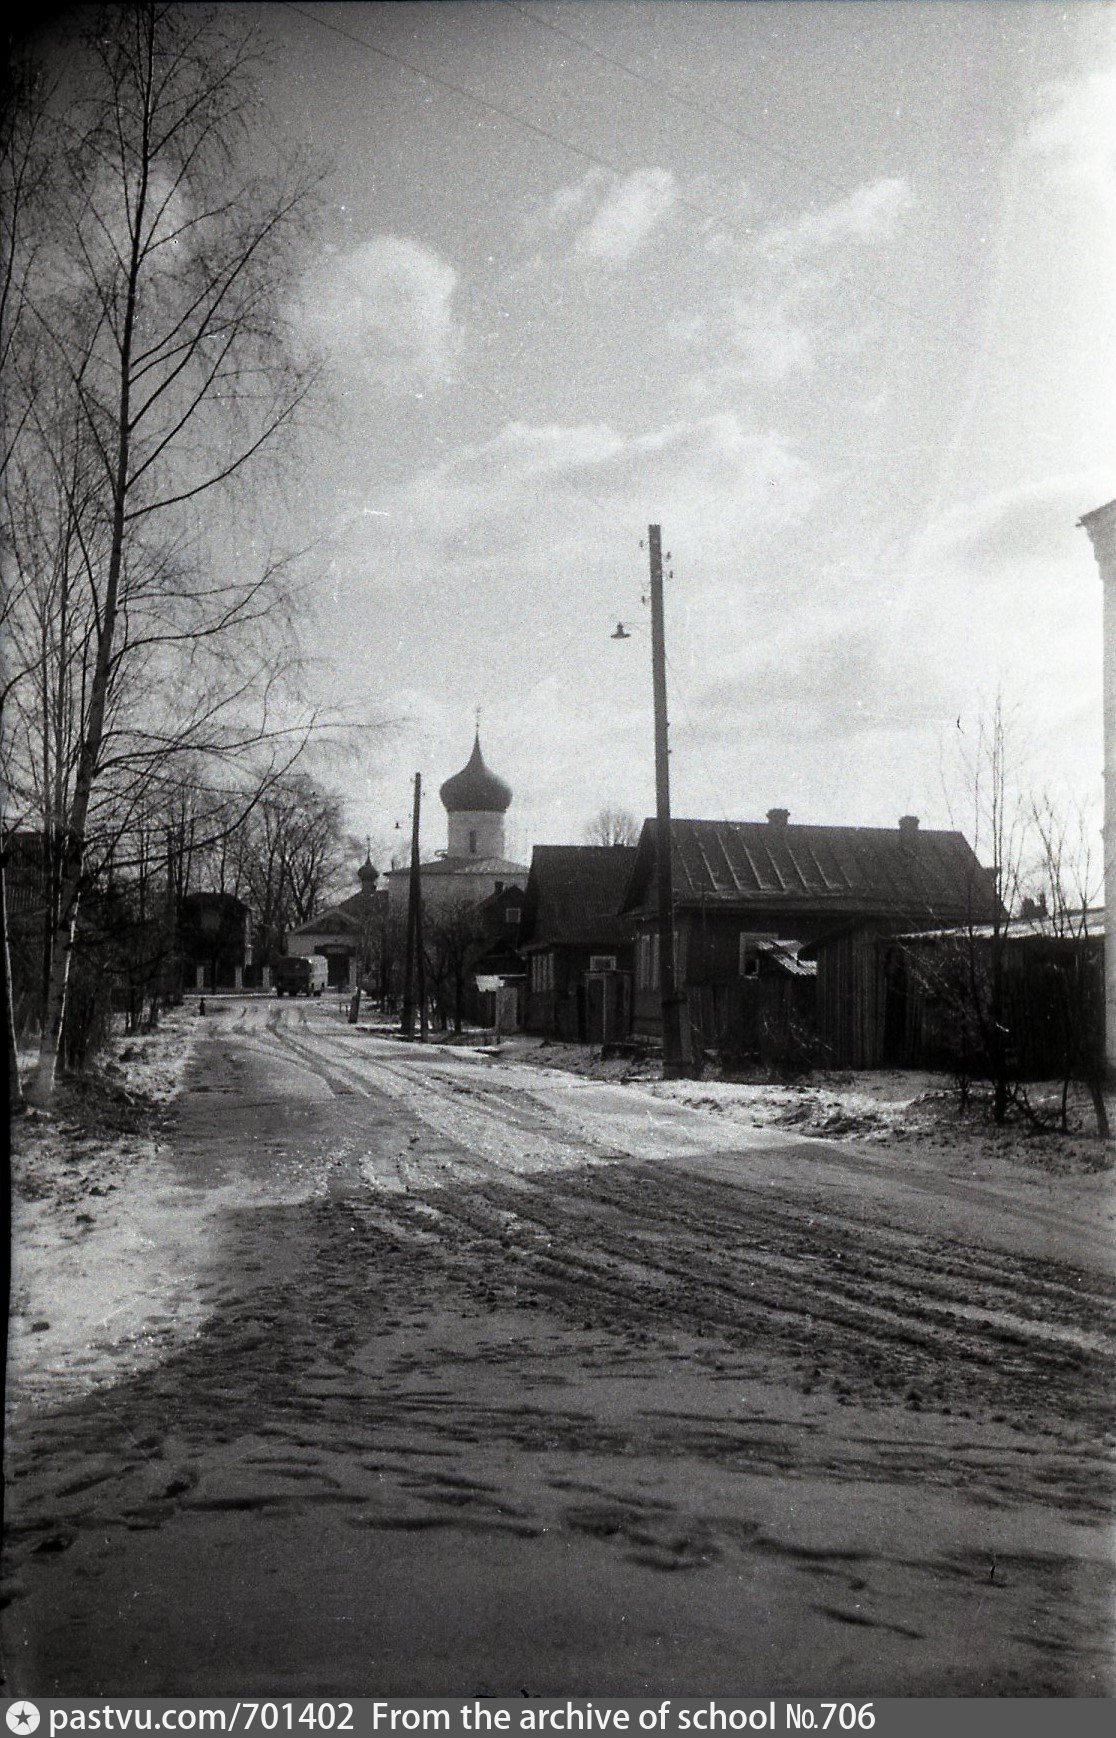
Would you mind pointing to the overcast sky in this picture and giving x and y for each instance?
(826, 290)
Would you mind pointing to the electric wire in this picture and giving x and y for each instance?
(684, 101)
(735, 225)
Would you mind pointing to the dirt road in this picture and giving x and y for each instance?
(473, 1378)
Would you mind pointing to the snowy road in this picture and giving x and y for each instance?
(480, 1379)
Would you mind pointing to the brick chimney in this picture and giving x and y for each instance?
(908, 825)
(778, 817)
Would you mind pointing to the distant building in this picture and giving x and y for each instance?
(474, 866)
(214, 940)
(1100, 525)
(577, 946)
(347, 934)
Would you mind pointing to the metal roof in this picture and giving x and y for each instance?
(920, 875)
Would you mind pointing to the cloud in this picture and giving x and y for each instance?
(619, 212)
(997, 592)
(840, 681)
(774, 343)
(1031, 528)
(386, 306)
(1077, 134)
(870, 214)
(713, 464)
(776, 321)
(1002, 591)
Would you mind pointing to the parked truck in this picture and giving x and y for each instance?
(295, 975)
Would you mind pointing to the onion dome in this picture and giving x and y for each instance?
(474, 789)
(368, 876)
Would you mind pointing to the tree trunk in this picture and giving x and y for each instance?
(1100, 1109)
(46, 1069)
(15, 1090)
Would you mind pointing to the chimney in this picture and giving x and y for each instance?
(778, 817)
(908, 825)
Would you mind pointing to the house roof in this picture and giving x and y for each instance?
(913, 874)
(463, 866)
(1077, 925)
(575, 894)
(346, 918)
(474, 789)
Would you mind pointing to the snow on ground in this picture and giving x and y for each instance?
(108, 1242)
(915, 1108)
(97, 1258)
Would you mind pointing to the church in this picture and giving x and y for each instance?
(473, 866)
(471, 871)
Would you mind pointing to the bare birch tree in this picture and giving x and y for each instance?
(612, 826)
(1074, 980)
(153, 367)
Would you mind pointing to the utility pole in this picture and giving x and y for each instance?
(414, 931)
(670, 1001)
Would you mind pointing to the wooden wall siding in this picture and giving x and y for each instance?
(1053, 1005)
(849, 1003)
(540, 1013)
(767, 1019)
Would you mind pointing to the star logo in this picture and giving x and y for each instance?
(22, 1717)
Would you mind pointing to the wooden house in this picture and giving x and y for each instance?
(214, 940)
(577, 945)
(754, 902)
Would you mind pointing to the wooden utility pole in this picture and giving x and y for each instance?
(670, 1001)
(414, 931)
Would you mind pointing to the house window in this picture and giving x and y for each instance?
(647, 962)
(602, 962)
(749, 957)
(511, 914)
(472, 844)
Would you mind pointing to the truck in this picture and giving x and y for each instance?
(295, 975)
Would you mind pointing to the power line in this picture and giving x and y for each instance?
(683, 101)
(735, 225)
(519, 120)
(510, 115)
